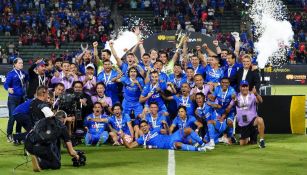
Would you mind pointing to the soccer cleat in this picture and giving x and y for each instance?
(233, 140)
(210, 145)
(116, 144)
(35, 164)
(202, 149)
(262, 144)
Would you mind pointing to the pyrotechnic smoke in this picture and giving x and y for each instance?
(273, 31)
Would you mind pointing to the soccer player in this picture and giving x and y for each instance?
(151, 93)
(224, 94)
(152, 138)
(185, 121)
(178, 77)
(107, 76)
(119, 124)
(133, 86)
(154, 119)
(195, 64)
(101, 97)
(96, 133)
(248, 119)
(184, 99)
(190, 77)
(213, 72)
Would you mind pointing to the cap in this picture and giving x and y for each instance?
(41, 63)
(90, 66)
(244, 82)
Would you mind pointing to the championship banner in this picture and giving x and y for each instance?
(286, 75)
(168, 39)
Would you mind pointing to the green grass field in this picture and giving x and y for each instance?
(285, 154)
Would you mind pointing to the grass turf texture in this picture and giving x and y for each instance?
(285, 154)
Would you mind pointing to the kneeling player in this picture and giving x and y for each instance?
(96, 133)
(152, 138)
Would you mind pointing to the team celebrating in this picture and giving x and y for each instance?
(185, 100)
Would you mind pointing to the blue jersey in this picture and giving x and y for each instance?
(207, 112)
(132, 92)
(23, 108)
(95, 127)
(156, 97)
(163, 77)
(156, 139)
(155, 123)
(144, 67)
(185, 101)
(189, 122)
(200, 69)
(213, 75)
(111, 87)
(120, 124)
(177, 81)
(224, 98)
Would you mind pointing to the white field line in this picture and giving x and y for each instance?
(171, 163)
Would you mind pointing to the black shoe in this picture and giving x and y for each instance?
(35, 164)
(262, 144)
(233, 140)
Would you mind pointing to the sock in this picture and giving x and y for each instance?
(195, 137)
(186, 147)
(212, 141)
(211, 131)
(230, 132)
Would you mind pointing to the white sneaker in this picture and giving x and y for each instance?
(224, 140)
(202, 149)
(210, 145)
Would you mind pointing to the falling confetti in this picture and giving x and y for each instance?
(273, 32)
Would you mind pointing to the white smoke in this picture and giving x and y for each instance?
(274, 32)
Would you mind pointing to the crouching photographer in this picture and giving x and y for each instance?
(43, 143)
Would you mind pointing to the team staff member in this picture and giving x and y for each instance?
(248, 119)
(15, 83)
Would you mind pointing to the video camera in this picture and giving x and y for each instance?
(81, 161)
(70, 103)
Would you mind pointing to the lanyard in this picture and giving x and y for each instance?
(96, 123)
(184, 101)
(154, 121)
(184, 122)
(229, 71)
(118, 123)
(41, 81)
(152, 87)
(177, 82)
(224, 95)
(244, 101)
(145, 138)
(106, 78)
(20, 76)
(195, 70)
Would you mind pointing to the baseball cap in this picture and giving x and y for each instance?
(90, 66)
(244, 82)
(41, 63)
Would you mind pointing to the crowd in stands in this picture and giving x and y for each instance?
(55, 22)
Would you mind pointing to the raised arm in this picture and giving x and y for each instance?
(119, 61)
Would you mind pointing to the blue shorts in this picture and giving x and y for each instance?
(177, 136)
(231, 116)
(136, 107)
(94, 138)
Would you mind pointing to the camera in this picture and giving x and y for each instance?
(70, 103)
(81, 161)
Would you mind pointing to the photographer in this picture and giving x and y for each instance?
(77, 105)
(43, 142)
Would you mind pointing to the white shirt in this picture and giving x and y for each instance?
(244, 74)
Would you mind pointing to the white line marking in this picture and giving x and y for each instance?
(171, 163)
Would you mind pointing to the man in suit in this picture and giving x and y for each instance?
(246, 73)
